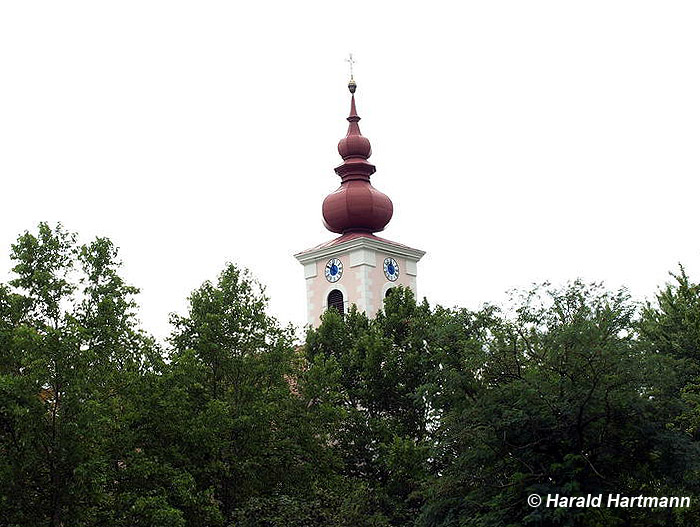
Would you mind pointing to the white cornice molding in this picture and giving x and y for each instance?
(360, 243)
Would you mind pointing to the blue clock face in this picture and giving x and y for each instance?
(334, 270)
(391, 269)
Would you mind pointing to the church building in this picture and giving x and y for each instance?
(357, 267)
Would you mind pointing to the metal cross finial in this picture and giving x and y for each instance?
(351, 61)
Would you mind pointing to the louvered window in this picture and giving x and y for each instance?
(335, 300)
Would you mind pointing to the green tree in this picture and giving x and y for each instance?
(557, 399)
(70, 344)
(372, 377)
(670, 330)
(227, 410)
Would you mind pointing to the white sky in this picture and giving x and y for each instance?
(519, 141)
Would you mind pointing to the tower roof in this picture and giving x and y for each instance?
(356, 206)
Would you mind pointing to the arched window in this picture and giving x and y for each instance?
(388, 292)
(335, 300)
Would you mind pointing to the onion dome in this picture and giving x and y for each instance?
(356, 206)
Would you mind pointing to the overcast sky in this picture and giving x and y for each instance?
(519, 141)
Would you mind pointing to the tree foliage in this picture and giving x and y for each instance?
(558, 402)
(420, 416)
(70, 346)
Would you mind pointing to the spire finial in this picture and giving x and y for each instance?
(352, 85)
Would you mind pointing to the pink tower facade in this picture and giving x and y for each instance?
(358, 267)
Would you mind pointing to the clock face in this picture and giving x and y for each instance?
(391, 269)
(334, 270)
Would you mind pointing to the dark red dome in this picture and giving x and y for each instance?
(356, 205)
(354, 146)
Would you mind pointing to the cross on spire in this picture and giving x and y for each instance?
(351, 61)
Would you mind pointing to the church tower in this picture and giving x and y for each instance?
(357, 267)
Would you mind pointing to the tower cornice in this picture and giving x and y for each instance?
(351, 243)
